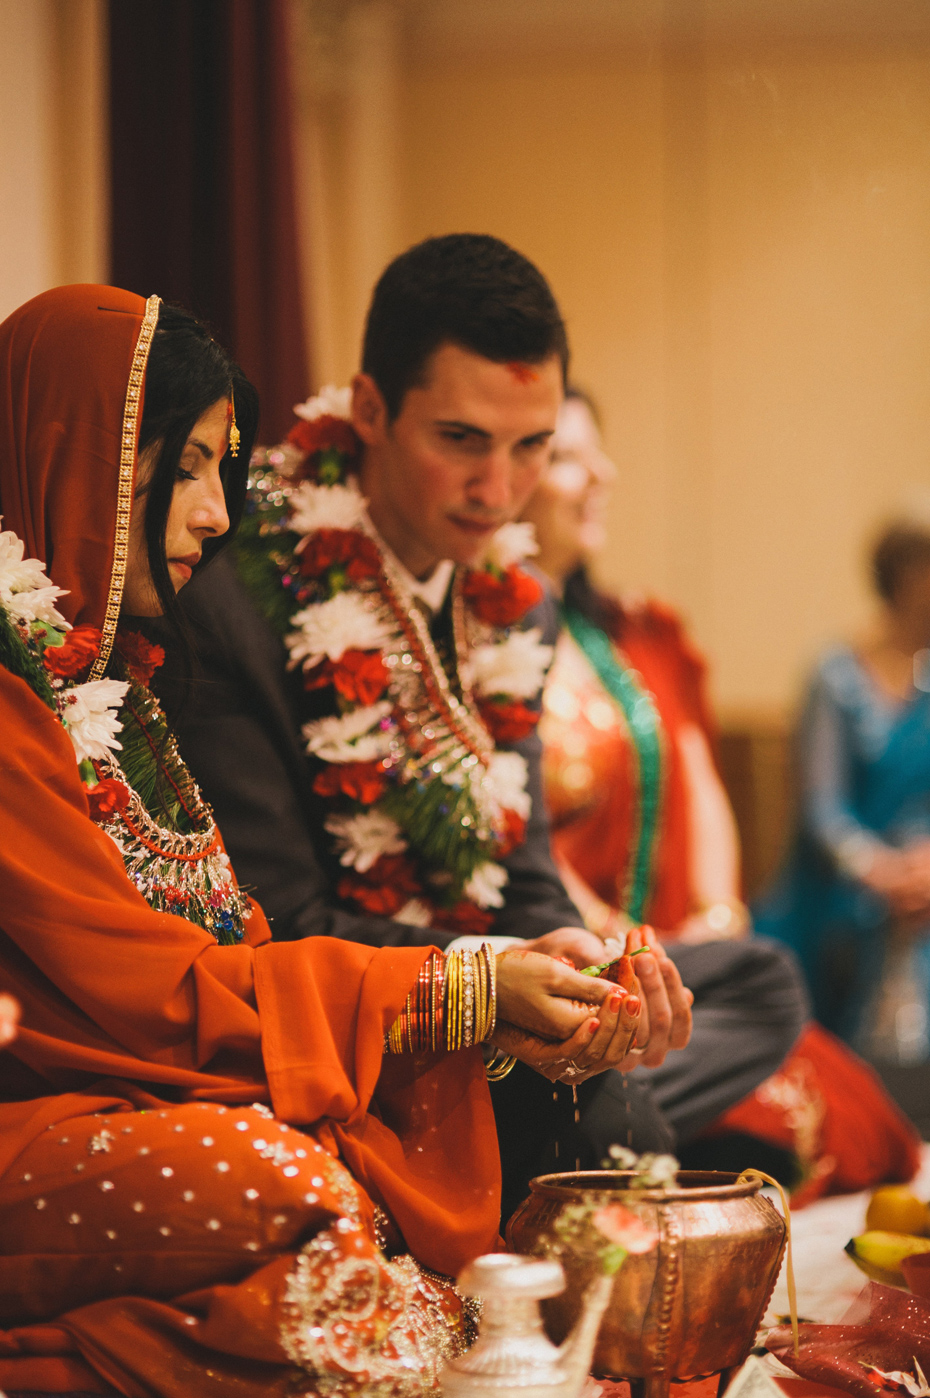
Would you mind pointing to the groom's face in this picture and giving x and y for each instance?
(461, 458)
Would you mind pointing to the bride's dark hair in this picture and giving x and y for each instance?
(187, 373)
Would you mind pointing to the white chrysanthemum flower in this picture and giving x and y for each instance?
(484, 886)
(506, 777)
(515, 666)
(25, 591)
(511, 544)
(38, 605)
(414, 913)
(330, 401)
(352, 737)
(363, 838)
(325, 507)
(91, 715)
(330, 628)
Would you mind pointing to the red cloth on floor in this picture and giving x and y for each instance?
(830, 1108)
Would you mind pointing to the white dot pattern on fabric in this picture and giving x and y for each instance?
(207, 1141)
(167, 1171)
(187, 1196)
(251, 1194)
(105, 1186)
(213, 1224)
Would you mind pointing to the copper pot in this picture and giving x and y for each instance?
(689, 1308)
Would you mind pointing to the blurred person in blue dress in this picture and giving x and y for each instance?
(854, 897)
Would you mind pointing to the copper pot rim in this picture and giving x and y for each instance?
(695, 1185)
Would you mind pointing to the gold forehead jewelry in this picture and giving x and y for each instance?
(233, 429)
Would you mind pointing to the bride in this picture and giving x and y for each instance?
(212, 1175)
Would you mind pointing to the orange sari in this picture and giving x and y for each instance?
(154, 1224)
(824, 1104)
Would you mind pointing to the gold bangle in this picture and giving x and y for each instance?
(499, 1066)
(453, 975)
(491, 960)
(433, 1027)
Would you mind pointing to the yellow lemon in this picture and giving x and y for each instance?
(896, 1209)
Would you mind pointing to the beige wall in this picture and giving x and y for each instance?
(53, 196)
(734, 212)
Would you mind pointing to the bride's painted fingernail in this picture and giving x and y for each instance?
(615, 1002)
(633, 1005)
(594, 1026)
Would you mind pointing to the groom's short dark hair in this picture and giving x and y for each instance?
(466, 289)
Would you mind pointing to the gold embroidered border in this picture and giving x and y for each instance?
(127, 462)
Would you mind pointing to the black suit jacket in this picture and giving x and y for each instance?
(238, 728)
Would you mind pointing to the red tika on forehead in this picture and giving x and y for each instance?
(523, 373)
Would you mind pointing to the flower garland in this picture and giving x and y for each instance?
(423, 806)
(148, 803)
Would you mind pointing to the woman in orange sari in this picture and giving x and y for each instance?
(643, 831)
(212, 1180)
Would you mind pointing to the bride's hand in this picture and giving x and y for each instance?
(544, 996)
(599, 1043)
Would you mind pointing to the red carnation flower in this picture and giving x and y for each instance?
(324, 433)
(77, 654)
(109, 797)
(464, 918)
(500, 600)
(384, 888)
(348, 548)
(361, 676)
(508, 723)
(141, 656)
(364, 782)
(365, 561)
(512, 835)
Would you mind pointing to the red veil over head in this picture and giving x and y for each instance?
(73, 372)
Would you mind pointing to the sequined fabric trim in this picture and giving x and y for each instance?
(127, 463)
(362, 1325)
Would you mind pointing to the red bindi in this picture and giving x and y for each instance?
(523, 373)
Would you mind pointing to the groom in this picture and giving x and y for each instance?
(462, 374)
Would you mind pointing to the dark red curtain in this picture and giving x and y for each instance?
(203, 204)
